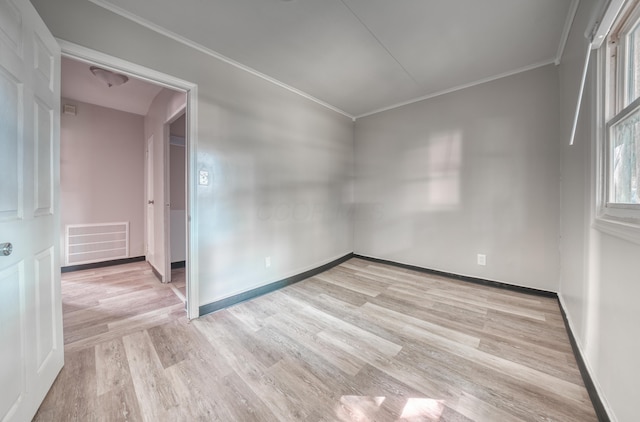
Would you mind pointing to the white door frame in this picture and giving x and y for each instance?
(106, 61)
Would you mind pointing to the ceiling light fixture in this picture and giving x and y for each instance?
(109, 77)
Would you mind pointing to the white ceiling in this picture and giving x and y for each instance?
(364, 55)
(78, 83)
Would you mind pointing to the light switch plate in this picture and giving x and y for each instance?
(204, 178)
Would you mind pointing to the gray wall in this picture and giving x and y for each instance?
(599, 284)
(101, 170)
(475, 171)
(280, 164)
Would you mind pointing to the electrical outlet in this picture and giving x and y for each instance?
(267, 261)
(204, 178)
(482, 259)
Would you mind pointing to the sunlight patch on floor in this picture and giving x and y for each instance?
(423, 408)
(358, 408)
(368, 408)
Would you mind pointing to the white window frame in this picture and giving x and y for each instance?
(621, 220)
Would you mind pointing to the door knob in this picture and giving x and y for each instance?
(151, 201)
(6, 249)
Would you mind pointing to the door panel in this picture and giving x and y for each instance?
(31, 340)
(11, 135)
(11, 26)
(12, 346)
(43, 65)
(43, 175)
(45, 309)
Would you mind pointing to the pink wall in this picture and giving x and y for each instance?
(102, 169)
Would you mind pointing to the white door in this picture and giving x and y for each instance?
(150, 202)
(31, 345)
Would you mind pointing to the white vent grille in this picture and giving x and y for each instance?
(87, 243)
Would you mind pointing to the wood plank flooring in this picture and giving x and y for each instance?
(108, 303)
(360, 342)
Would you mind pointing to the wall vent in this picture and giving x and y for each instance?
(88, 243)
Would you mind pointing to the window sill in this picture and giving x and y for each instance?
(622, 229)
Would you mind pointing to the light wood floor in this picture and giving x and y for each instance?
(109, 303)
(361, 342)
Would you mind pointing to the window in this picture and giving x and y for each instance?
(620, 182)
(624, 159)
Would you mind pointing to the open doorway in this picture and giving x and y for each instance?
(176, 175)
(164, 111)
(131, 144)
